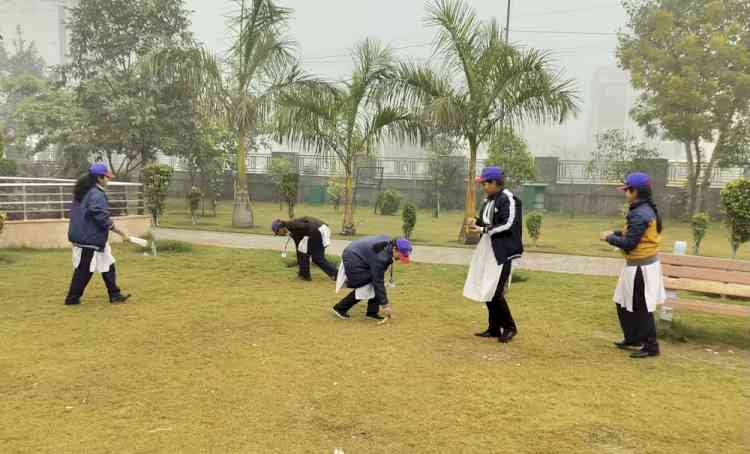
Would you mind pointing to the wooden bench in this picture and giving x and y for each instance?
(707, 275)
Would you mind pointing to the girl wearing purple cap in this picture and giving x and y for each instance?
(641, 285)
(363, 266)
(499, 223)
(88, 231)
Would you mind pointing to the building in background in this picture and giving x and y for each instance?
(42, 22)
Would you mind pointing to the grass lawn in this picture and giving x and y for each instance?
(223, 350)
(561, 234)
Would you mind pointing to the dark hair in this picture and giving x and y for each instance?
(646, 195)
(83, 186)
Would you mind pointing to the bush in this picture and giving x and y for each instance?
(8, 168)
(534, 225)
(409, 216)
(699, 224)
(168, 246)
(735, 203)
(3, 216)
(156, 179)
(335, 190)
(388, 202)
(519, 276)
(285, 176)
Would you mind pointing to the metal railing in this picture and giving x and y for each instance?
(42, 198)
(581, 172)
(678, 175)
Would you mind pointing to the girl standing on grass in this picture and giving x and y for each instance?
(641, 285)
(499, 223)
(90, 224)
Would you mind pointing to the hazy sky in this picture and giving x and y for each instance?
(326, 29)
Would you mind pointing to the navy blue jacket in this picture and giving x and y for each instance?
(365, 266)
(504, 227)
(90, 220)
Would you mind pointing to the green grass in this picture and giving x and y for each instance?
(561, 234)
(223, 350)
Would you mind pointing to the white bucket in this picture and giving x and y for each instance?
(680, 248)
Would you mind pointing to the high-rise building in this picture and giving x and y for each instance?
(42, 22)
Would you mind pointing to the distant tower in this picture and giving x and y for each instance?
(41, 22)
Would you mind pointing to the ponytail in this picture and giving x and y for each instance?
(646, 195)
(83, 186)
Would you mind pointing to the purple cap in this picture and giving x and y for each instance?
(490, 173)
(276, 226)
(404, 249)
(100, 169)
(636, 180)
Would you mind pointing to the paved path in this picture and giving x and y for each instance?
(595, 266)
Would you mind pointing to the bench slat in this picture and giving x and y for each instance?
(703, 274)
(715, 288)
(706, 262)
(710, 308)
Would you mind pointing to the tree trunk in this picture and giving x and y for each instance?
(692, 179)
(242, 213)
(470, 204)
(348, 227)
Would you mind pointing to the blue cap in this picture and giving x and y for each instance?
(636, 180)
(276, 225)
(490, 173)
(100, 169)
(404, 249)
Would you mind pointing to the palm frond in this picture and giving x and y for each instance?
(459, 34)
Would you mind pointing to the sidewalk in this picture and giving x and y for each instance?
(593, 266)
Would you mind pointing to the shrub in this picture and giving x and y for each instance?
(335, 191)
(3, 216)
(735, 203)
(156, 179)
(409, 216)
(285, 176)
(169, 246)
(519, 276)
(8, 168)
(388, 202)
(699, 224)
(534, 225)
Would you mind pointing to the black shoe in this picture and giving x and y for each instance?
(72, 302)
(644, 354)
(507, 335)
(627, 345)
(339, 314)
(118, 298)
(488, 333)
(304, 278)
(376, 317)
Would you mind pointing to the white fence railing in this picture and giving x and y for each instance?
(678, 175)
(40, 198)
(581, 172)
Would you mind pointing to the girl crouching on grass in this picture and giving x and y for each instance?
(641, 285)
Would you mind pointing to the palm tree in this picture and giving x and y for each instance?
(348, 119)
(240, 91)
(485, 85)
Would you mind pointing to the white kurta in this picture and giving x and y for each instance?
(484, 273)
(365, 292)
(325, 235)
(653, 280)
(101, 262)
